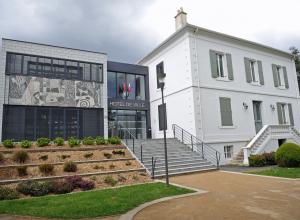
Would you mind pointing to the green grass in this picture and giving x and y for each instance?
(278, 171)
(92, 203)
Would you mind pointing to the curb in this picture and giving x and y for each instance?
(130, 215)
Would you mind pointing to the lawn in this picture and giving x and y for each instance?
(278, 171)
(92, 203)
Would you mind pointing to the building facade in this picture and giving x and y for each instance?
(222, 89)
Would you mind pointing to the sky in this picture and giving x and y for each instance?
(127, 30)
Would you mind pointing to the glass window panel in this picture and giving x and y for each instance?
(111, 85)
(140, 87)
(95, 72)
(58, 68)
(32, 65)
(10, 63)
(130, 86)
(57, 123)
(71, 123)
(85, 71)
(72, 69)
(47, 66)
(13, 122)
(40, 66)
(121, 85)
(29, 123)
(42, 125)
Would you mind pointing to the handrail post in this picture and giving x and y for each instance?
(182, 135)
(152, 161)
(133, 145)
(217, 160)
(174, 130)
(141, 153)
(192, 143)
(202, 150)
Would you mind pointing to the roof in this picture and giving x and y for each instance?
(213, 34)
(49, 45)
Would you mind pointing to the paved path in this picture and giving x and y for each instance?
(231, 196)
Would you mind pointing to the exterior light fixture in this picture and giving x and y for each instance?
(245, 105)
(272, 107)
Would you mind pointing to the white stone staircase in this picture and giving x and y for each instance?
(269, 132)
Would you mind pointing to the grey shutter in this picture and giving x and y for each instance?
(279, 112)
(286, 81)
(291, 114)
(229, 66)
(226, 114)
(260, 73)
(213, 64)
(247, 69)
(275, 75)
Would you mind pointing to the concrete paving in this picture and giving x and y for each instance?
(231, 196)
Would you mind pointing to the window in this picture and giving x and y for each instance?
(111, 85)
(53, 68)
(281, 108)
(140, 87)
(220, 65)
(280, 76)
(253, 71)
(226, 114)
(121, 86)
(130, 79)
(228, 151)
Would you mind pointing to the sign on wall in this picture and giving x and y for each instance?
(127, 104)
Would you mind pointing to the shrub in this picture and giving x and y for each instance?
(8, 143)
(121, 178)
(128, 163)
(107, 155)
(78, 182)
(8, 194)
(1, 157)
(110, 180)
(42, 142)
(22, 171)
(88, 141)
(288, 155)
(270, 158)
(73, 142)
(87, 185)
(46, 168)
(20, 156)
(257, 161)
(100, 140)
(135, 177)
(114, 140)
(59, 141)
(26, 144)
(64, 156)
(88, 155)
(61, 187)
(70, 166)
(112, 166)
(97, 167)
(43, 157)
(34, 188)
(119, 152)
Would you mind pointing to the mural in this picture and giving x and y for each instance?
(30, 90)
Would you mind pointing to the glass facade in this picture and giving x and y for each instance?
(53, 68)
(133, 120)
(126, 86)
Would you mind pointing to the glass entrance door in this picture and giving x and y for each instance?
(257, 115)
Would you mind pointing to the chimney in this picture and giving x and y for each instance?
(180, 19)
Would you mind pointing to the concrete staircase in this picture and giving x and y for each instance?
(181, 159)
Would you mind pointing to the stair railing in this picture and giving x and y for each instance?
(124, 133)
(205, 151)
(153, 163)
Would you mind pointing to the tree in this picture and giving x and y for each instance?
(296, 54)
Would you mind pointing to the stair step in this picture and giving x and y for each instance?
(187, 172)
(183, 169)
(183, 164)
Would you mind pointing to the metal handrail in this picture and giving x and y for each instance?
(153, 163)
(196, 144)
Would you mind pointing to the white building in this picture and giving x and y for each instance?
(227, 91)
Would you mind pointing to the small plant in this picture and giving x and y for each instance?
(107, 155)
(61, 187)
(8, 193)
(1, 158)
(78, 182)
(93, 178)
(22, 171)
(73, 142)
(43, 157)
(128, 163)
(121, 178)
(8, 143)
(257, 161)
(100, 140)
(20, 156)
(46, 168)
(112, 166)
(119, 152)
(34, 188)
(87, 185)
(70, 166)
(288, 155)
(59, 141)
(143, 174)
(64, 156)
(88, 155)
(270, 158)
(135, 177)
(97, 167)
(114, 140)
(110, 180)
(26, 144)
(42, 142)
(88, 141)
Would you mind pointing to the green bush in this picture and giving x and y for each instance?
(8, 194)
(114, 140)
(59, 141)
(26, 144)
(88, 155)
(46, 168)
(88, 141)
(100, 140)
(270, 158)
(8, 143)
(110, 181)
(257, 161)
(288, 155)
(61, 187)
(22, 171)
(34, 188)
(73, 142)
(107, 155)
(42, 142)
(70, 166)
(119, 152)
(20, 156)
(1, 158)
(44, 157)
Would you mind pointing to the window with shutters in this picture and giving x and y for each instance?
(254, 72)
(280, 76)
(221, 65)
(228, 151)
(226, 113)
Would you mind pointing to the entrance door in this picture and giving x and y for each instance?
(257, 115)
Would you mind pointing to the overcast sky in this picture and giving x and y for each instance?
(129, 29)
